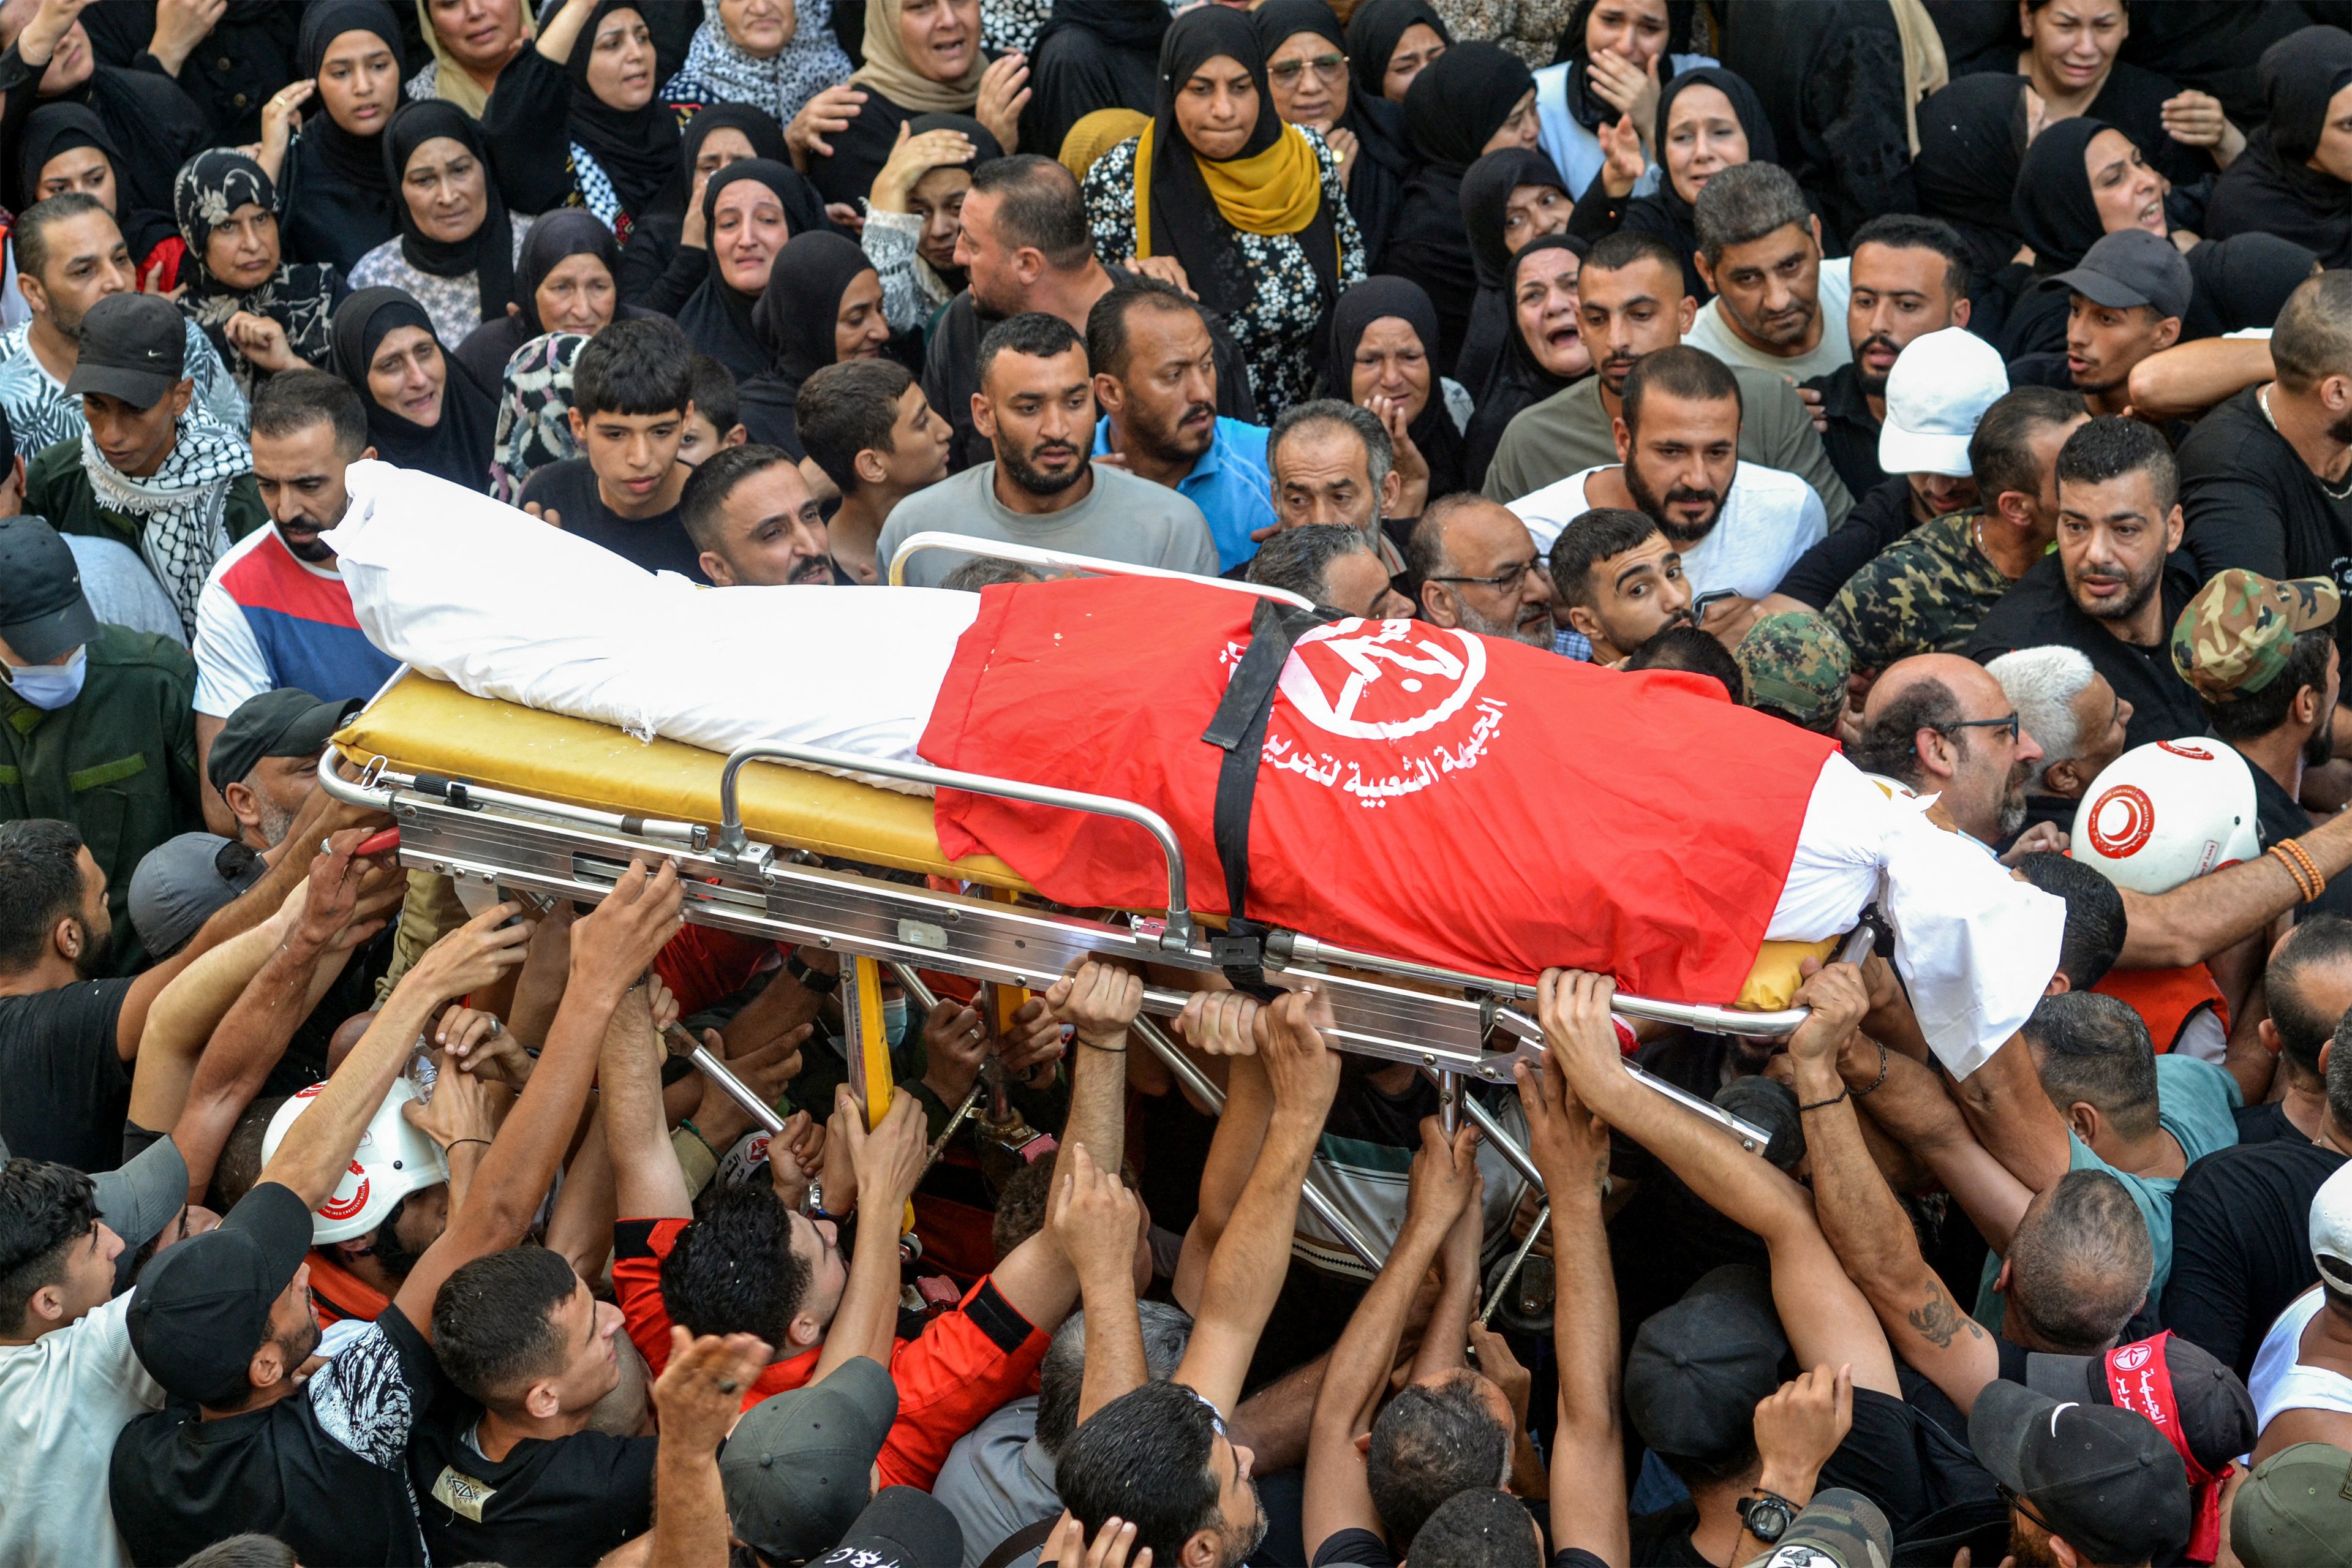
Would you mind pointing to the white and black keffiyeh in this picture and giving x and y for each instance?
(182, 507)
(719, 70)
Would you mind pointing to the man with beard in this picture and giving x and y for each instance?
(1036, 409)
(1910, 277)
(265, 761)
(1333, 463)
(749, 512)
(1777, 301)
(275, 612)
(95, 727)
(1156, 379)
(1738, 527)
(1617, 583)
(1631, 304)
(2263, 659)
(1938, 725)
(2110, 588)
(1473, 565)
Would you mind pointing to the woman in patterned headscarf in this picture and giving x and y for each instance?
(534, 413)
(261, 314)
(773, 55)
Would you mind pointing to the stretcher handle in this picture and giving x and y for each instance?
(1064, 560)
(733, 842)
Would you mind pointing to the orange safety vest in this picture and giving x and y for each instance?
(2167, 999)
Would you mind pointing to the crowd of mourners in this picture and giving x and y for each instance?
(1969, 381)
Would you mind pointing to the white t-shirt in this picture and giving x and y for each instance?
(1770, 519)
(2280, 1382)
(1712, 333)
(63, 1400)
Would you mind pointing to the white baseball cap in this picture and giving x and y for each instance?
(1941, 384)
(2331, 1229)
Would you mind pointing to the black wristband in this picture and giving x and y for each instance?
(1822, 1105)
(810, 979)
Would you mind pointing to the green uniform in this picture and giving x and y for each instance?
(119, 761)
(1923, 593)
(55, 487)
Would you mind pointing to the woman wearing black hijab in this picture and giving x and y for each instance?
(550, 296)
(2290, 181)
(1381, 30)
(146, 115)
(423, 411)
(1694, 146)
(1090, 54)
(1572, 132)
(1474, 99)
(593, 71)
(1381, 360)
(822, 305)
(1543, 346)
(48, 166)
(667, 254)
(1971, 140)
(339, 203)
(1251, 207)
(774, 206)
(1497, 230)
(1294, 33)
(457, 251)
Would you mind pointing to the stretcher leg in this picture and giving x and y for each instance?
(1518, 1261)
(1449, 1102)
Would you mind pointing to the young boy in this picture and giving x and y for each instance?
(865, 423)
(713, 424)
(632, 395)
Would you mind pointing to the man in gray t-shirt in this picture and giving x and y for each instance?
(1036, 406)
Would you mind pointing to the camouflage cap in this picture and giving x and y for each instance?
(1838, 1529)
(1794, 661)
(2234, 638)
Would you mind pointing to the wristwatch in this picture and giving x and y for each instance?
(810, 979)
(1767, 1515)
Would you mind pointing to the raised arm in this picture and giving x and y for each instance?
(698, 1396)
(2014, 1119)
(1094, 1217)
(610, 948)
(1444, 1183)
(2207, 913)
(1570, 1147)
(888, 1160)
(1099, 1001)
(1826, 1317)
(1245, 1274)
(2184, 381)
(1872, 1236)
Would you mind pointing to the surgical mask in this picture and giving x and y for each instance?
(894, 1020)
(50, 687)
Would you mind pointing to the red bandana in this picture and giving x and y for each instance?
(2141, 1379)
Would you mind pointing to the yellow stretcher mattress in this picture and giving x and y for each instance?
(423, 725)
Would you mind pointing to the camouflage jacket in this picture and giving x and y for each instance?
(1923, 593)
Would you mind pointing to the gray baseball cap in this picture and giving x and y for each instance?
(182, 881)
(2131, 267)
(42, 610)
(798, 1469)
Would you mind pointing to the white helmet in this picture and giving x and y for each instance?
(2163, 812)
(394, 1160)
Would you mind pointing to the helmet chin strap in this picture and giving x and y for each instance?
(385, 1245)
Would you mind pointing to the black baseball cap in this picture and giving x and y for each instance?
(134, 347)
(902, 1527)
(2105, 1479)
(1698, 1368)
(42, 610)
(286, 722)
(2130, 267)
(798, 1467)
(2217, 1414)
(202, 1308)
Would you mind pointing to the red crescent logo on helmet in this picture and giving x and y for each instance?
(343, 1208)
(2121, 821)
(2195, 751)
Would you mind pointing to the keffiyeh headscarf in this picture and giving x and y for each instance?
(212, 186)
(535, 413)
(719, 70)
(181, 507)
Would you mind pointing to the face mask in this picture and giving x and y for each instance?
(50, 687)
(893, 1019)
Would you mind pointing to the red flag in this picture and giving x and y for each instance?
(1431, 795)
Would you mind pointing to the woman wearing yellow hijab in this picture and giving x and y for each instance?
(922, 57)
(471, 44)
(1251, 207)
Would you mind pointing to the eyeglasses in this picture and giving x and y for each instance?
(1328, 67)
(2010, 1497)
(1505, 578)
(2008, 724)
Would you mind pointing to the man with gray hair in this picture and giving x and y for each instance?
(2070, 707)
(998, 1478)
(1473, 565)
(1776, 300)
(1329, 565)
(1332, 462)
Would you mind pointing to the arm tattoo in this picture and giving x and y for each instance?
(1938, 1320)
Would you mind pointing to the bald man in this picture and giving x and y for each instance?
(1473, 565)
(1941, 725)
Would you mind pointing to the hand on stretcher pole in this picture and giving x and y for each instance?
(870, 1077)
(924, 999)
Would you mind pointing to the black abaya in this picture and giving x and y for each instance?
(2272, 188)
(1520, 380)
(795, 320)
(456, 447)
(337, 204)
(1090, 54)
(1485, 197)
(1451, 110)
(1432, 429)
(1383, 158)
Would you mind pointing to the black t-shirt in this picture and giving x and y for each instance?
(548, 1504)
(2249, 502)
(2264, 1124)
(2242, 1243)
(64, 1089)
(324, 1469)
(1881, 515)
(2278, 814)
(657, 543)
(1852, 438)
(2039, 611)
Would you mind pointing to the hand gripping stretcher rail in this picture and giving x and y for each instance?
(823, 861)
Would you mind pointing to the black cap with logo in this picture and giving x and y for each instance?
(134, 347)
(42, 611)
(2102, 1478)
